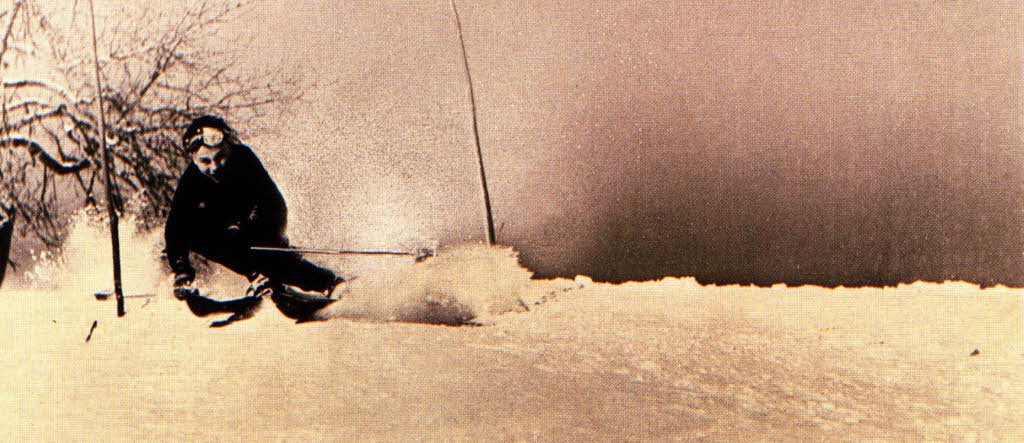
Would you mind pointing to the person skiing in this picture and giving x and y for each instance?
(226, 203)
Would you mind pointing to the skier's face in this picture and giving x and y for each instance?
(209, 160)
(207, 152)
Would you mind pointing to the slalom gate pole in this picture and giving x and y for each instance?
(491, 237)
(107, 159)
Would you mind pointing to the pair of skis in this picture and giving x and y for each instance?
(292, 305)
(298, 305)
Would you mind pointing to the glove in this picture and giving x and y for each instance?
(259, 286)
(184, 286)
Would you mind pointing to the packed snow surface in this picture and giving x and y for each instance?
(550, 360)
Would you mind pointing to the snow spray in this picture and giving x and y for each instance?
(84, 264)
(460, 284)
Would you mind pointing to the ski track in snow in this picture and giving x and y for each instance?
(667, 359)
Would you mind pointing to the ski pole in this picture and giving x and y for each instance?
(103, 295)
(420, 255)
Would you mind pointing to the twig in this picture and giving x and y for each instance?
(93, 328)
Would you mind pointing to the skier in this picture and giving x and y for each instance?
(226, 203)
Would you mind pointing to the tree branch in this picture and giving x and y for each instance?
(10, 29)
(57, 166)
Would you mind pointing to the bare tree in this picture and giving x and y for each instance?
(161, 66)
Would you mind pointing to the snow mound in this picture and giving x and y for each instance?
(460, 284)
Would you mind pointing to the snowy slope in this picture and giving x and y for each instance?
(659, 359)
(667, 359)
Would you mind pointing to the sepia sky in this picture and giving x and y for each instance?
(840, 142)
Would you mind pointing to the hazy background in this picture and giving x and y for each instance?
(841, 142)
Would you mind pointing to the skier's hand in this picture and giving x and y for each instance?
(259, 286)
(184, 286)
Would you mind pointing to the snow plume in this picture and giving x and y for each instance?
(459, 284)
(85, 266)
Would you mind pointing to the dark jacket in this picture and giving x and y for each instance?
(203, 210)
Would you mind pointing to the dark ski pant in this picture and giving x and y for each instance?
(280, 267)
